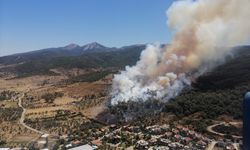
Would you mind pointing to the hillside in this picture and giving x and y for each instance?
(214, 94)
(68, 95)
(68, 50)
(86, 57)
(218, 92)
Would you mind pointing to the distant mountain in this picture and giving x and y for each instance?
(94, 46)
(71, 46)
(69, 50)
(89, 56)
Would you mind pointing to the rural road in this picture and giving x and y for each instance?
(21, 121)
(210, 129)
(211, 145)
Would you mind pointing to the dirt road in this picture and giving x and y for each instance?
(21, 121)
(210, 129)
(211, 145)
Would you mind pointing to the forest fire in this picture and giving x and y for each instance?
(204, 31)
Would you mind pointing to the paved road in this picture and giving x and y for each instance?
(21, 121)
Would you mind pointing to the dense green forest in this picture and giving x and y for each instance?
(220, 91)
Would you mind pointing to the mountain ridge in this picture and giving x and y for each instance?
(97, 56)
(42, 61)
(64, 51)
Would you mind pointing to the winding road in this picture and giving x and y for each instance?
(210, 129)
(21, 121)
(211, 145)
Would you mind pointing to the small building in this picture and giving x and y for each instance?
(97, 142)
(153, 141)
(161, 148)
(69, 145)
(142, 144)
(168, 134)
(41, 144)
(164, 142)
(83, 147)
(177, 137)
(45, 136)
(76, 143)
(187, 140)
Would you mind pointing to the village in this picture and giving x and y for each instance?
(156, 137)
(75, 131)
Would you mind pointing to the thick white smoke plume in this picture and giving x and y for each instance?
(202, 28)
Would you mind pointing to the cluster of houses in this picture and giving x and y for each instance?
(228, 145)
(155, 137)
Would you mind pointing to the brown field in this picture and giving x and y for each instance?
(76, 99)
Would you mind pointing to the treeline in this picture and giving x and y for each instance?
(50, 97)
(6, 95)
(210, 104)
(218, 92)
(90, 100)
(89, 77)
(2, 142)
(10, 114)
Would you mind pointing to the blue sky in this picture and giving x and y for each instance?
(27, 25)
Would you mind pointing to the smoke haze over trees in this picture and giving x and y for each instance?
(204, 31)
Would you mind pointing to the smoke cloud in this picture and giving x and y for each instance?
(203, 31)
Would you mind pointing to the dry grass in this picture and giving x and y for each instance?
(48, 109)
(36, 86)
(23, 84)
(93, 112)
(64, 100)
(16, 133)
(84, 89)
(9, 104)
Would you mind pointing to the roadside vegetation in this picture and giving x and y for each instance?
(89, 77)
(7, 95)
(50, 97)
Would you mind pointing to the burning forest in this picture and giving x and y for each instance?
(205, 31)
(183, 92)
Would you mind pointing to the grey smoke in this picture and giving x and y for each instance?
(202, 28)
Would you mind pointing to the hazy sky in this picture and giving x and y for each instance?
(34, 24)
